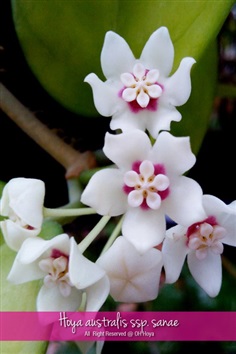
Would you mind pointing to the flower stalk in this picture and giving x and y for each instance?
(83, 245)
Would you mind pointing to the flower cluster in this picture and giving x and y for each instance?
(145, 184)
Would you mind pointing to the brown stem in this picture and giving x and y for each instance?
(72, 160)
(229, 266)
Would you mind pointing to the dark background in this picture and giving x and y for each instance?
(21, 157)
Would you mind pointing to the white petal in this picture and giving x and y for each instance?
(158, 53)
(135, 198)
(127, 121)
(139, 71)
(82, 271)
(146, 169)
(217, 247)
(116, 56)
(104, 192)
(154, 91)
(15, 235)
(161, 182)
(178, 86)
(174, 251)
(152, 77)
(184, 203)
(128, 79)
(214, 206)
(127, 148)
(144, 228)
(50, 299)
(129, 94)
(105, 96)
(34, 248)
(162, 118)
(207, 272)
(206, 229)
(26, 264)
(131, 178)
(201, 253)
(133, 277)
(153, 200)
(97, 294)
(174, 152)
(143, 99)
(225, 216)
(25, 196)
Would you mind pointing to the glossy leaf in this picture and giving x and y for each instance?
(62, 42)
(17, 298)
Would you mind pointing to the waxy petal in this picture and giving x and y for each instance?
(105, 96)
(174, 250)
(83, 273)
(135, 198)
(127, 148)
(133, 277)
(51, 299)
(184, 203)
(179, 150)
(178, 86)
(116, 56)
(158, 52)
(25, 267)
(15, 235)
(207, 272)
(126, 120)
(153, 201)
(97, 293)
(143, 99)
(104, 193)
(162, 119)
(225, 216)
(144, 228)
(25, 196)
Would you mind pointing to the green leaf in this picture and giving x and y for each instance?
(50, 228)
(17, 298)
(197, 110)
(62, 42)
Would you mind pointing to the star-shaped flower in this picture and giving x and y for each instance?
(66, 273)
(146, 185)
(22, 202)
(134, 277)
(139, 93)
(202, 243)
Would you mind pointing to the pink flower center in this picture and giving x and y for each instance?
(146, 185)
(141, 88)
(56, 269)
(205, 235)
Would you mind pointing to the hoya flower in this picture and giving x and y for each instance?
(139, 93)
(22, 203)
(134, 277)
(66, 274)
(146, 185)
(202, 243)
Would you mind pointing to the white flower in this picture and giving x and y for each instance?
(66, 273)
(134, 277)
(138, 92)
(202, 243)
(22, 202)
(147, 184)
